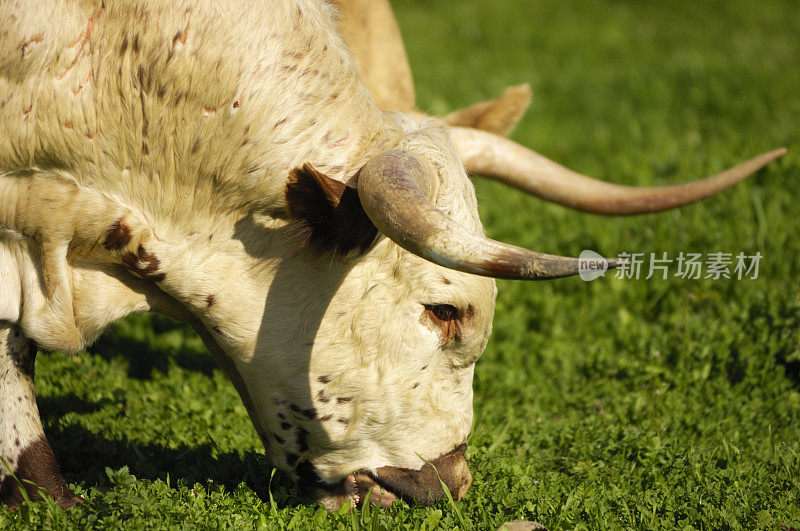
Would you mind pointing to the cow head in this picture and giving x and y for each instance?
(360, 376)
(358, 360)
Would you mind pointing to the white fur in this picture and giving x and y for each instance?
(19, 416)
(188, 136)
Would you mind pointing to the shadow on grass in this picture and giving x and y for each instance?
(791, 367)
(52, 408)
(132, 339)
(83, 456)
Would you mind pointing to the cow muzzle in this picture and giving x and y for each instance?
(389, 483)
(381, 487)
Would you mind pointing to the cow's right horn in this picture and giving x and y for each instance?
(396, 189)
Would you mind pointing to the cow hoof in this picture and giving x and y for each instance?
(68, 499)
(64, 497)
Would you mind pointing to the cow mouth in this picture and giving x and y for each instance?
(355, 488)
(362, 486)
(386, 484)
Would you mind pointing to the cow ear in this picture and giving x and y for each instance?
(498, 116)
(329, 211)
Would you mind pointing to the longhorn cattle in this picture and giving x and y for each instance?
(223, 163)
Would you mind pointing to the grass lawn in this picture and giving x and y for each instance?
(618, 403)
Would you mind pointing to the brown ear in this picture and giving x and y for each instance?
(329, 211)
(498, 116)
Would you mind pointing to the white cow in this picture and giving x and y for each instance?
(223, 164)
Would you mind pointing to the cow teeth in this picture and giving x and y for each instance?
(351, 490)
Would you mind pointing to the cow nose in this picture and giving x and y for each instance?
(422, 485)
(465, 480)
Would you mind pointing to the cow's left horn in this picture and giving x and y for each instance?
(396, 189)
(506, 161)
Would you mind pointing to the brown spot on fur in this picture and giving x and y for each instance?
(218, 330)
(324, 379)
(344, 399)
(281, 416)
(291, 459)
(279, 439)
(34, 39)
(280, 122)
(37, 464)
(180, 37)
(124, 46)
(302, 440)
(143, 264)
(415, 385)
(210, 300)
(135, 46)
(321, 396)
(83, 40)
(286, 426)
(326, 418)
(68, 125)
(328, 211)
(309, 413)
(339, 143)
(446, 280)
(343, 421)
(83, 83)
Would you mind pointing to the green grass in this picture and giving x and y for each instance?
(612, 404)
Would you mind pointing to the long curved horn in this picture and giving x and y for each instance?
(510, 163)
(395, 189)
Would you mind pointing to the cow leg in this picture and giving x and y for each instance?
(24, 449)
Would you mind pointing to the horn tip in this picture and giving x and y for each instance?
(769, 156)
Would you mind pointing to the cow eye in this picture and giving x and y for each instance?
(443, 312)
